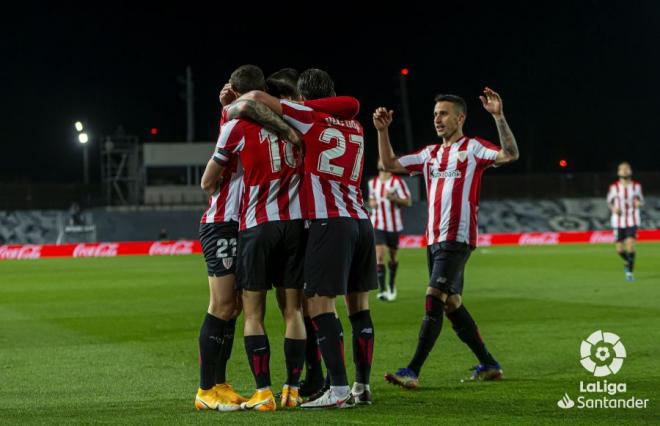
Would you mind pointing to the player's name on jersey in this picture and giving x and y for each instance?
(351, 124)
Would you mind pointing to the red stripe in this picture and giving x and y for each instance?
(307, 203)
(437, 216)
(283, 198)
(457, 195)
(256, 365)
(347, 201)
(381, 204)
(262, 196)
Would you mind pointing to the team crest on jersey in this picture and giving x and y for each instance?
(462, 155)
(227, 262)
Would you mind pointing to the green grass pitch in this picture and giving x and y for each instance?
(94, 341)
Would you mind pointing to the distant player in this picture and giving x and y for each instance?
(452, 170)
(340, 257)
(388, 193)
(218, 234)
(271, 244)
(625, 199)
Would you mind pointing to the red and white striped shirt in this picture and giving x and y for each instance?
(386, 216)
(333, 162)
(272, 172)
(225, 203)
(623, 197)
(453, 180)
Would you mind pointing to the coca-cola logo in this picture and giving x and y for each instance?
(541, 238)
(411, 241)
(601, 237)
(171, 248)
(20, 252)
(96, 250)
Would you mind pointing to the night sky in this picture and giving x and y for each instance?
(578, 79)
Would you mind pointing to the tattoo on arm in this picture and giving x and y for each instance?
(507, 140)
(260, 113)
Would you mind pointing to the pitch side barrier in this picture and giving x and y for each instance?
(182, 247)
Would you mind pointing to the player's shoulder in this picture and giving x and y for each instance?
(636, 182)
(295, 105)
(476, 142)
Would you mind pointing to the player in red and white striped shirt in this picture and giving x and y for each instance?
(340, 257)
(271, 242)
(388, 193)
(452, 170)
(625, 199)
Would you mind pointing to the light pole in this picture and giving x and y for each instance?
(83, 139)
(407, 124)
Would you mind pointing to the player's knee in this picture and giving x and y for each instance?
(430, 291)
(223, 308)
(453, 302)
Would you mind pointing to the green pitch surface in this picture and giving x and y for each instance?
(115, 341)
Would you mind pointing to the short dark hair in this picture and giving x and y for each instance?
(624, 162)
(315, 83)
(246, 78)
(454, 99)
(284, 83)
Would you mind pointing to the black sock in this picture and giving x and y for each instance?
(428, 332)
(380, 272)
(393, 266)
(623, 255)
(210, 344)
(466, 330)
(328, 329)
(314, 372)
(294, 357)
(257, 349)
(630, 258)
(225, 352)
(363, 345)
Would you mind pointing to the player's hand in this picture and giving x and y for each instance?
(227, 95)
(391, 196)
(636, 203)
(616, 210)
(382, 118)
(293, 136)
(492, 102)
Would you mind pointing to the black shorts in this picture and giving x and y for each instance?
(389, 239)
(622, 233)
(271, 255)
(340, 257)
(219, 246)
(446, 262)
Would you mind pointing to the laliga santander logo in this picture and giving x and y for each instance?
(168, 249)
(602, 353)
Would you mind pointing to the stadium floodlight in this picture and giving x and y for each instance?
(83, 138)
(79, 126)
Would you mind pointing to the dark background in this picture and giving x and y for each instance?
(577, 78)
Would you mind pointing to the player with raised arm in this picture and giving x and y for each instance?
(624, 199)
(340, 257)
(271, 243)
(388, 193)
(452, 170)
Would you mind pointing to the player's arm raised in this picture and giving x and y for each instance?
(492, 102)
(382, 119)
(266, 110)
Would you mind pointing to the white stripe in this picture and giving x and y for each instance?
(339, 200)
(294, 198)
(388, 206)
(225, 132)
(446, 204)
(251, 212)
(431, 209)
(352, 196)
(210, 214)
(320, 209)
(272, 208)
(299, 125)
(295, 105)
